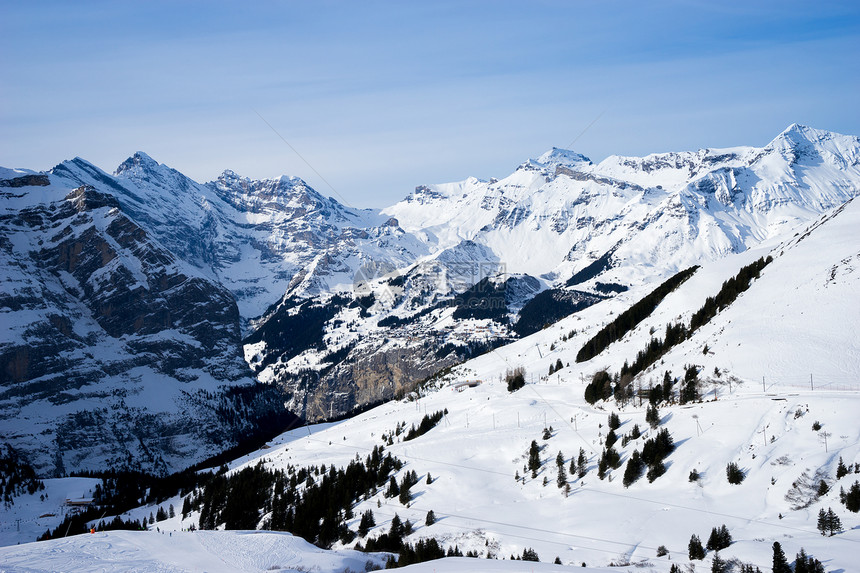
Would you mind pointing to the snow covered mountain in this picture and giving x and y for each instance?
(260, 239)
(114, 352)
(339, 307)
(775, 369)
(472, 467)
(585, 231)
(555, 215)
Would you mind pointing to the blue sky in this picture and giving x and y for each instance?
(379, 97)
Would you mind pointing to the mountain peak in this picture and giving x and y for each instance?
(798, 135)
(139, 160)
(558, 156)
(229, 175)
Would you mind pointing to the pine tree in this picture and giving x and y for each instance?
(801, 562)
(822, 521)
(602, 466)
(614, 421)
(430, 519)
(393, 489)
(396, 530)
(652, 416)
(734, 473)
(720, 538)
(561, 480)
(718, 565)
(834, 524)
(530, 554)
(841, 470)
(581, 464)
(611, 438)
(804, 563)
(655, 470)
(171, 512)
(780, 563)
(667, 386)
(633, 469)
(559, 460)
(852, 498)
(534, 459)
(367, 521)
(695, 549)
(613, 459)
(405, 495)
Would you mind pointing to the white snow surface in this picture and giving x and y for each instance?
(784, 355)
(180, 552)
(798, 320)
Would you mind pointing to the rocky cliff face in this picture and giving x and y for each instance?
(113, 353)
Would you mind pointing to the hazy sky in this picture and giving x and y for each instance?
(379, 97)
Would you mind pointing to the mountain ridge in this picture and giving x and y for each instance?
(385, 299)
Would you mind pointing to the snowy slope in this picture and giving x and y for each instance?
(797, 318)
(389, 290)
(258, 238)
(556, 214)
(209, 551)
(559, 222)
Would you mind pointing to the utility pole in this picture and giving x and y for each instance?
(762, 384)
(811, 385)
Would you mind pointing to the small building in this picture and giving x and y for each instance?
(81, 502)
(460, 386)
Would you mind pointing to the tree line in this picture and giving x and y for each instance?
(627, 320)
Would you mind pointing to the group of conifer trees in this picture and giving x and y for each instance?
(601, 383)
(313, 502)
